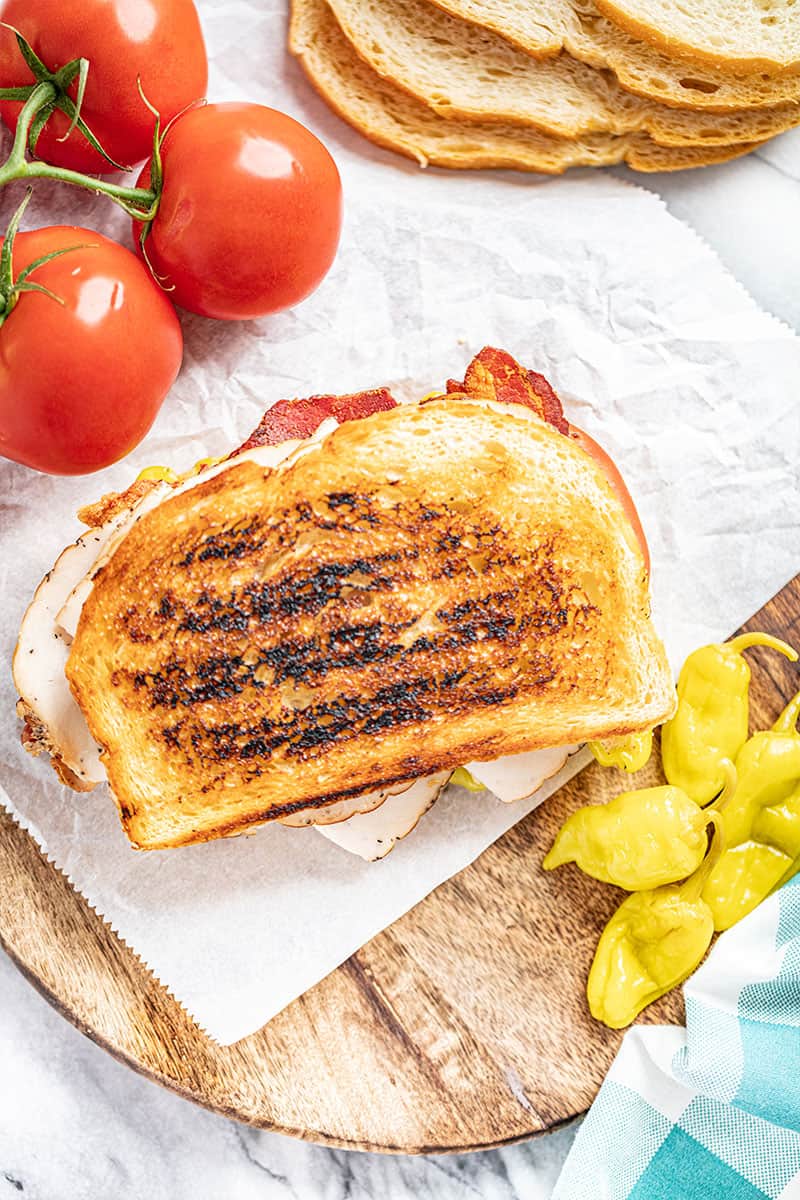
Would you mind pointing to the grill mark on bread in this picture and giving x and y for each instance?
(421, 687)
(288, 595)
(363, 645)
(269, 611)
(339, 721)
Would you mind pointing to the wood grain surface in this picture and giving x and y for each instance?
(463, 1026)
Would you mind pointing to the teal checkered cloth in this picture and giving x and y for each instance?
(712, 1111)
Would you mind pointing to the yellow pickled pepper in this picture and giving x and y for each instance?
(711, 721)
(779, 825)
(629, 753)
(639, 840)
(778, 821)
(762, 821)
(167, 475)
(744, 876)
(158, 475)
(461, 777)
(652, 943)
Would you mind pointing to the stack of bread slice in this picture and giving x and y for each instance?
(542, 85)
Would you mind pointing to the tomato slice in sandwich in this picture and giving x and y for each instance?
(606, 462)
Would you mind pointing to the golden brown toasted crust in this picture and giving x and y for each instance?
(433, 584)
(389, 117)
(107, 507)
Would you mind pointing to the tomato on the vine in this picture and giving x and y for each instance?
(250, 212)
(83, 376)
(159, 43)
(618, 485)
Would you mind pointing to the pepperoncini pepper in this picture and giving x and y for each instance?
(639, 840)
(462, 778)
(159, 475)
(652, 943)
(779, 825)
(743, 877)
(711, 720)
(762, 821)
(167, 475)
(629, 753)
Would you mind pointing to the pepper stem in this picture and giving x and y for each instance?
(787, 721)
(729, 787)
(692, 889)
(745, 640)
(695, 883)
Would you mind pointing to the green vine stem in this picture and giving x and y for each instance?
(139, 203)
(11, 286)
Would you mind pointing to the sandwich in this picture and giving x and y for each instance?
(364, 597)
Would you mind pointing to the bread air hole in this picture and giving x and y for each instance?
(700, 85)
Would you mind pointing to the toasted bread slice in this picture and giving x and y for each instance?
(761, 35)
(664, 74)
(391, 118)
(462, 71)
(442, 582)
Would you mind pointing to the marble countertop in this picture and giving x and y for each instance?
(76, 1125)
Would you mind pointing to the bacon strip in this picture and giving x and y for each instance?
(495, 375)
(296, 419)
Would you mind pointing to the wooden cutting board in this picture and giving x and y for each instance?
(463, 1026)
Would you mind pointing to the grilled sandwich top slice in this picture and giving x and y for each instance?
(443, 582)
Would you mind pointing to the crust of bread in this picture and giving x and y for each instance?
(472, 74)
(108, 506)
(389, 117)
(434, 584)
(769, 37)
(577, 26)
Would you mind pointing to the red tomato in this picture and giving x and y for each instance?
(157, 41)
(250, 212)
(606, 462)
(81, 382)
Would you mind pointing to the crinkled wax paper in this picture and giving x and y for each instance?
(654, 349)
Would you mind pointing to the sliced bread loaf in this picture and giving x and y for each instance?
(391, 118)
(669, 76)
(461, 70)
(755, 34)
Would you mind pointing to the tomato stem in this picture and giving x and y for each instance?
(11, 288)
(139, 203)
(39, 100)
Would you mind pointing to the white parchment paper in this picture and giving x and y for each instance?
(654, 349)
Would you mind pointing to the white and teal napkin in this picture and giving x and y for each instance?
(712, 1111)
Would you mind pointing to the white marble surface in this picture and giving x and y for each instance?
(75, 1125)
